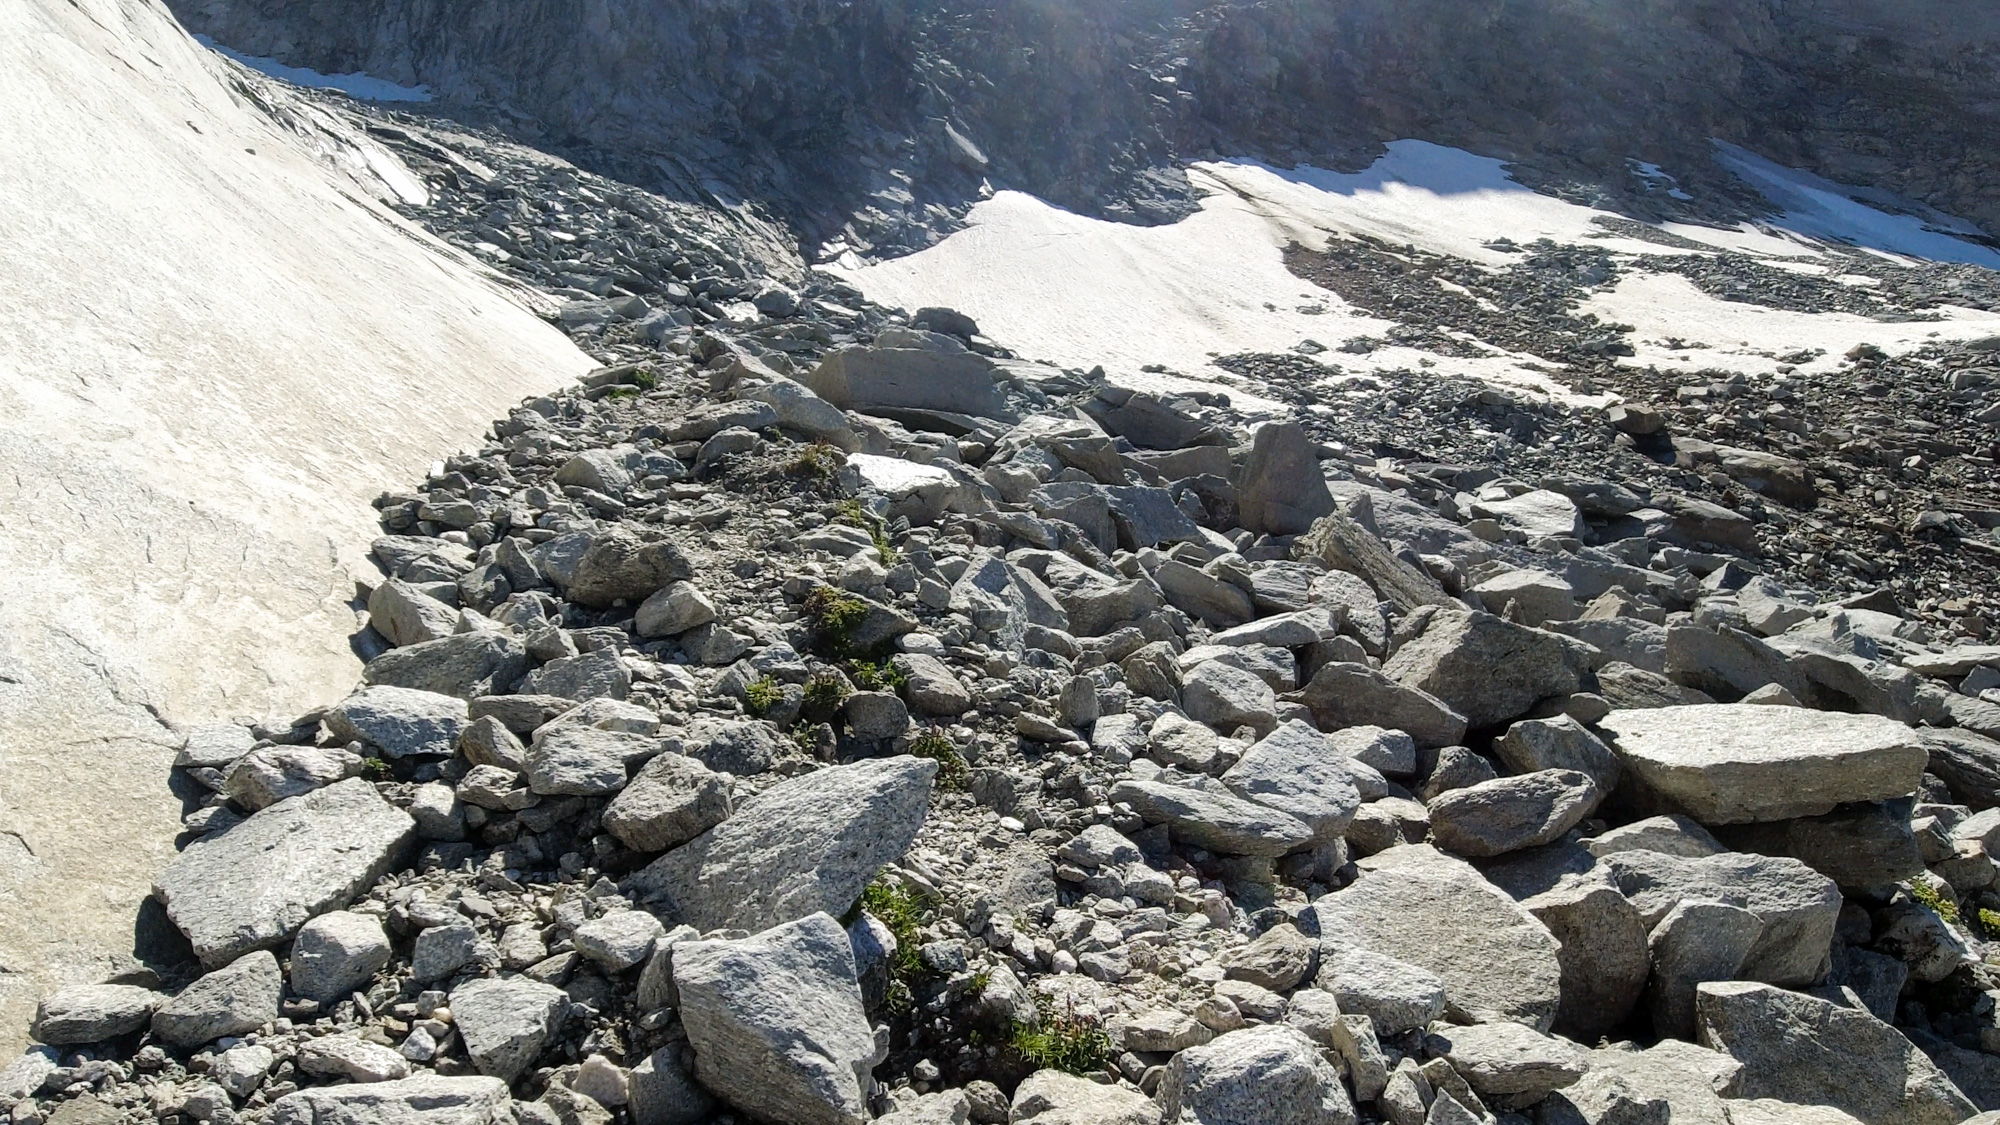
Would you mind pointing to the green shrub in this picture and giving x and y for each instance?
(872, 676)
(825, 693)
(1064, 1039)
(816, 462)
(937, 746)
(645, 379)
(1989, 923)
(856, 513)
(375, 769)
(762, 695)
(834, 615)
(900, 910)
(1927, 896)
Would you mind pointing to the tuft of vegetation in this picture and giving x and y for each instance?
(937, 746)
(622, 391)
(900, 910)
(835, 615)
(857, 513)
(375, 769)
(645, 379)
(762, 695)
(818, 462)
(825, 693)
(1063, 1039)
(870, 675)
(1929, 897)
(1989, 923)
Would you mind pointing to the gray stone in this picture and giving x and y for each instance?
(1385, 751)
(1627, 640)
(1668, 835)
(337, 954)
(1696, 942)
(1537, 596)
(801, 410)
(678, 607)
(1269, 1075)
(1213, 817)
(1798, 907)
(436, 809)
(622, 565)
(234, 1000)
(740, 748)
(92, 1013)
(619, 940)
(506, 1022)
(441, 951)
(1510, 813)
(1512, 1064)
(592, 675)
(933, 689)
(353, 1058)
(1285, 630)
(1280, 489)
(426, 1099)
(1226, 698)
(600, 470)
(252, 885)
(1799, 1048)
(1294, 770)
(808, 844)
(876, 714)
(1728, 663)
(1862, 847)
(1218, 604)
(664, 1093)
(584, 761)
(489, 742)
(399, 722)
(1736, 764)
(1395, 994)
(1604, 957)
(671, 801)
(1004, 599)
(214, 746)
(1275, 666)
(776, 1022)
(1671, 1083)
(1344, 695)
(1537, 514)
(872, 379)
(467, 665)
(1487, 669)
(269, 774)
(1278, 959)
(1455, 768)
(405, 615)
(1560, 743)
(1050, 1097)
(1496, 960)
(1367, 1067)
(241, 1069)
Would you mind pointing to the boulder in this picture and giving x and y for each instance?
(1485, 668)
(1741, 763)
(1278, 959)
(932, 688)
(405, 615)
(1538, 597)
(802, 411)
(1219, 604)
(467, 665)
(671, 801)
(269, 774)
(1279, 489)
(1269, 1075)
(1226, 698)
(1669, 835)
(1696, 942)
(1671, 1083)
(874, 379)
(1510, 813)
(1004, 599)
(234, 1000)
(1051, 1097)
(92, 1013)
(1728, 663)
(1342, 695)
(1861, 846)
(662, 1092)
(1295, 771)
(1797, 906)
(337, 954)
(400, 722)
(1803, 1049)
(581, 761)
(1560, 743)
(1512, 1064)
(1208, 814)
(351, 1057)
(506, 1022)
(619, 940)
(621, 565)
(1395, 994)
(1497, 961)
(426, 1099)
(776, 1022)
(1604, 957)
(805, 845)
(252, 885)
(592, 675)
(1538, 514)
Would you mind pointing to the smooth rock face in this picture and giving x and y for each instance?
(1486, 669)
(776, 1022)
(1799, 1048)
(1437, 913)
(91, 1013)
(1051, 1097)
(1798, 907)
(1738, 764)
(427, 1099)
(506, 1022)
(234, 1000)
(806, 845)
(1270, 1075)
(253, 885)
(1509, 813)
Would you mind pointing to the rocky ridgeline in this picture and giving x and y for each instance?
(888, 729)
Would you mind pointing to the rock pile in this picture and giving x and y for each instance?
(885, 729)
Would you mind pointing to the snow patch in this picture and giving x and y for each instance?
(1819, 208)
(357, 85)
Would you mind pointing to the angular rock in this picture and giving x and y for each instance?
(1278, 959)
(664, 1093)
(805, 845)
(1538, 597)
(584, 761)
(1799, 1048)
(872, 379)
(618, 940)
(1269, 1075)
(1295, 771)
(1487, 669)
(337, 954)
(1213, 817)
(621, 565)
(1728, 663)
(400, 722)
(1560, 743)
(1395, 994)
(234, 1000)
(427, 1099)
(1226, 698)
(1342, 695)
(353, 1058)
(1861, 846)
(1512, 1064)
(467, 665)
(673, 610)
(405, 615)
(1798, 907)
(269, 774)
(1669, 835)
(1496, 960)
(1737, 764)
(776, 1022)
(1004, 599)
(251, 886)
(1051, 1097)
(1280, 489)
(1696, 942)
(506, 1022)
(671, 801)
(592, 675)
(92, 1013)
(1537, 514)
(932, 688)
(1604, 957)
(1510, 813)
(1221, 605)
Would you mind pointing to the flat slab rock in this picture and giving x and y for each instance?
(1742, 763)
(427, 1099)
(1422, 907)
(251, 886)
(804, 845)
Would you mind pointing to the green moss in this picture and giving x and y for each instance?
(645, 378)
(902, 912)
(834, 616)
(937, 746)
(622, 392)
(1989, 923)
(869, 675)
(762, 695)
(1063, 1039)
(1927, 896)
(375, 769)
